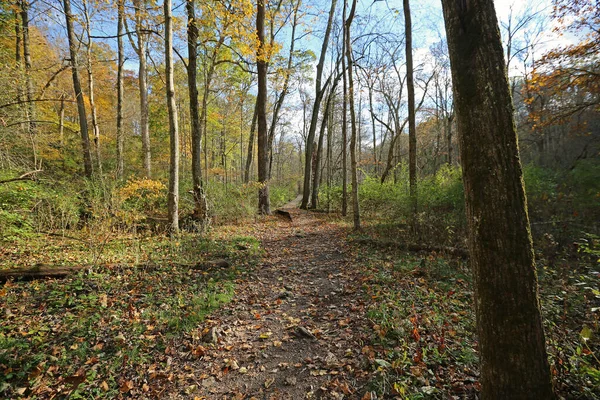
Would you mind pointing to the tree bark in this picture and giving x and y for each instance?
(344, 122)
(30, 110)
(95, 127)
(141, 49)
(121, 62)
(83, 126)
(353, 162)
(173, 197)
(514, 363)
(264, 206)
(314, 120)
(200, 205)
(412, 127)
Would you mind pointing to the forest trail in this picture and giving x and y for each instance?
(293, 329)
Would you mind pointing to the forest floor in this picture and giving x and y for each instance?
(306, 310)
(296, 326)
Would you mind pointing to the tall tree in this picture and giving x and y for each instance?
(120, 64)
(286, 81)
(264, 206)
(344, 119)
(514, 363)
(30, 110)
(201, 209)
(314, 120)
(91, 89)
(83, 126)
(141, 48)
(412, 127)
(173, 197)
(353, 161)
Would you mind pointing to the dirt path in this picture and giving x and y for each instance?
(293, 330)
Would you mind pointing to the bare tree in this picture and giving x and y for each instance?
(120, 64)
(412, 127)
(83, 126)
(314, 120)
(353, 161)
(173, 197)
(201, 207)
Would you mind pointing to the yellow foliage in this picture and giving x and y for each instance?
(141, 188)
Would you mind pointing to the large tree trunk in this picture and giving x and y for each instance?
(121, 62)
(412, 127)
(353, 162)
(512, 348)
(314, 120)
(83, 126)
(200, 205)
(173, 197)
(264, 206)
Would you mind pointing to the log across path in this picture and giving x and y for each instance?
(295, 327)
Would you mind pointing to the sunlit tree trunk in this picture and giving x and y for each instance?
(141, 48)
(264, 206)
(30, 109)
(201, 209)
(173, 197)
(83, 126)
(121, 62)
(95, 127)
(353, 160)
(412, 127)
(512, 347)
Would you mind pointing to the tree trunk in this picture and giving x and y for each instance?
(344, 122)
(173, 198)
(200, 205)
(250, 145)
(514, 363)
(95, 127)
(376, 169)
(121, 62)
(83, 126)
(412, 128)
(284, 90)
(30, 110)
(353, 163)
(264, 206)
(314, 120)
(141, 49)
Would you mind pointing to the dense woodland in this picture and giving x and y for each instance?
(146, 148)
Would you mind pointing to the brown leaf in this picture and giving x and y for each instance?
(126, 386)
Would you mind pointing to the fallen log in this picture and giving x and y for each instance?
(42, 271)
(39, 272)
(283, 214)
(26, 176)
